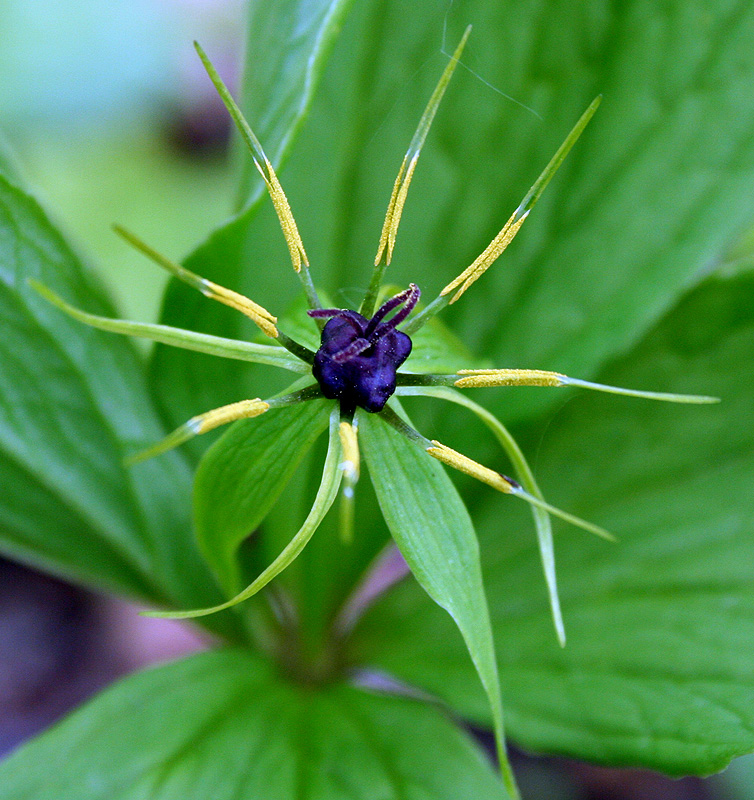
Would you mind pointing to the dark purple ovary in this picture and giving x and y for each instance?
(358, 357)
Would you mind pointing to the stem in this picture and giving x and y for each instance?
(426, 314)
(298, 350)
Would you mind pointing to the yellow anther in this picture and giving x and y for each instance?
(260, 316)
(279, 200)
(285, 215)
(201, 424)
(395, 209)
(484, 261)
(470, 467)
(244, 409)
(512, 226)
(256, 313)
(351, 464)
(478, 378)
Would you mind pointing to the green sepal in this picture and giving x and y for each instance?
(241, 476)
(433, 531)
(328, 490)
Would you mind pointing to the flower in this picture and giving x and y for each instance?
(357, 364)
(361, 351)
(358, 359)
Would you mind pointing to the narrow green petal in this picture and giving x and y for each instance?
(328, 490)
(177, 337)
(526, 476)
(691, 399)
(433, 530)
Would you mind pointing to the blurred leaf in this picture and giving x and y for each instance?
(242, 475)
(736, 782)
(433, 531)
(9, 167)
(437, 349)
(224, 725)
(73, 403)
(657, 670)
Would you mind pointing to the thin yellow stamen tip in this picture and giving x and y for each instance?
(256, 313)
(244, 409)
(351, 464)
(406, 172)
(477, 378)
(470, 467)
(484, 261)
(285, 215)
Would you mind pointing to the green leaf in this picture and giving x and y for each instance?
(73, 403)
(660, 626)
(241, 476)
(225, 725)
(433, 531)
(437, 349)
(523, 472)
(8, 164)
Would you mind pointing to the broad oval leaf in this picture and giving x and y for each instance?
(241, 476)
(657, 671)
(73, 403)
(225, 725)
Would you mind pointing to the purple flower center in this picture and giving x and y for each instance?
(358, 357)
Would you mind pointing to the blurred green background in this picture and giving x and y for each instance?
(112, 119)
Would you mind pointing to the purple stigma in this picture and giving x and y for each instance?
(358, 357)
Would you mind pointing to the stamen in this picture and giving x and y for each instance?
(507, 485)
(484, 261)
(507, 377)
(470, 467)
(698, 399)
(262, 163)
(509, 230)
(403, 181)
(406, 172)
(202, 423)
(518, 491)
(477, 378)
(244, 409)
(351, 464)
(256, 313)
